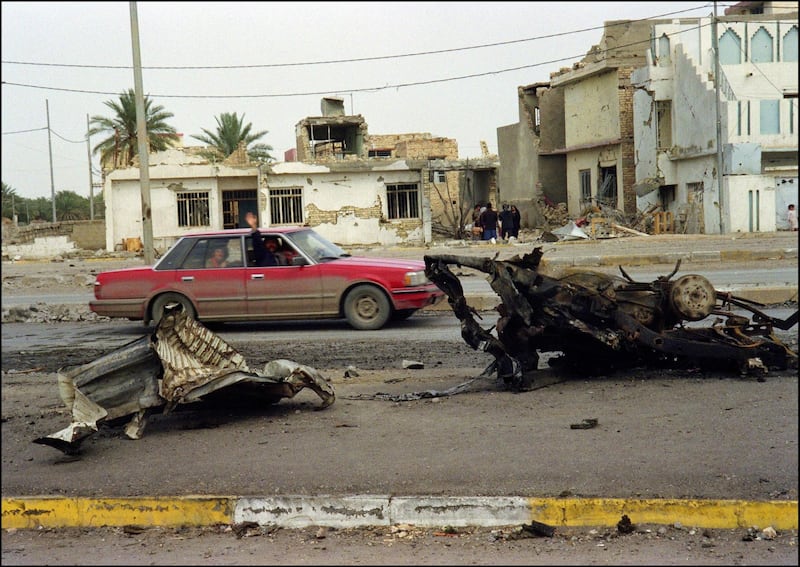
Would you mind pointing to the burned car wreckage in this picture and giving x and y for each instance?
(600, 322)
(181, 362)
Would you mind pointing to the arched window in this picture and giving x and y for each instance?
(664, 58)
(730, 48)
(761, 50)
(789, 47)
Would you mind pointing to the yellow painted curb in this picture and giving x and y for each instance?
(722, 514)
(58, 512)
(55, 512)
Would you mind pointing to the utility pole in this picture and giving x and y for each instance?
(717, 80)
(141, 130)
(91, 181)
(50, 148)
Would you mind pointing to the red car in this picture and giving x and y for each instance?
(215, 277)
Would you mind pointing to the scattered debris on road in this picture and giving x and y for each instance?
(598, 322)
(181, 362)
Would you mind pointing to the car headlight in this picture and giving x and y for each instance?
(413, 279)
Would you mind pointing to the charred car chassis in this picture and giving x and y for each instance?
(600, 322)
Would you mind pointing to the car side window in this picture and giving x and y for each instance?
(196, 258)
(235, 259)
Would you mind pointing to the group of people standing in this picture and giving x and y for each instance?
(488, 223)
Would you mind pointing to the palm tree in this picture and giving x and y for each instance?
(121, 145)
(10, 201)
(232, 131)
(71, 206)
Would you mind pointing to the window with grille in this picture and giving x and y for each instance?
(403, 200)
(193, 209)
(286, 205)
(586, 185)
(235, 204)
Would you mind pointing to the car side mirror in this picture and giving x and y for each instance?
(299, 261)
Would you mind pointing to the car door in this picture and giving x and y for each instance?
(282, 292)
(218, 292)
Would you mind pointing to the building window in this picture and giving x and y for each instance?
(235, 205)
(664, 51)
(761, 47)
(607, 192)
(664, 124)
(586, 185)
(403, 200)
(730, 48)
(789, 50)
(379, 153)
(439, 177)
(193, 209)
(666, 195)
(770, 117)
(695, 192)
(286, 205)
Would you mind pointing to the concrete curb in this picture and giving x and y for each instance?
(381, 510)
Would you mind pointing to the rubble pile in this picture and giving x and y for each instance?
(48, 313)
(554, 216)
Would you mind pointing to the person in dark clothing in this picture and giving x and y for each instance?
(517, 218)
(506, 222)
(488, 220)
(264, 256)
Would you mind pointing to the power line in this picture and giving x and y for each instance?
(366, 89)
(353, 60)
(25, 131)
(66, 140)
(45, 128)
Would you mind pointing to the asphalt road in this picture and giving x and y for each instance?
(727, 278)
(668, 434)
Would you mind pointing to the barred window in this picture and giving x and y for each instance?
(403, 200)
(286, 205)
(586, 185)
(193, 209)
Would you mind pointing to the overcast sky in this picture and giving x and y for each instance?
(431, 68)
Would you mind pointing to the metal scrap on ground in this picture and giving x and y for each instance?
(599, 323)
(181, 362)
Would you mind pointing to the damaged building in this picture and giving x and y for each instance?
(631, 129)
(353, 187)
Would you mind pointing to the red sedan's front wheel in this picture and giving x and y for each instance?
(367, 308)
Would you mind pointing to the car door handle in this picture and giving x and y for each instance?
(257, 277)
(187, 278)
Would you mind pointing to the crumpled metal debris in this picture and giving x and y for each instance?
(598, 322)
(181, 362)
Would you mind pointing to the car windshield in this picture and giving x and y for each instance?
(317, 247)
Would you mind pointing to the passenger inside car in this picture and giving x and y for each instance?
(218, 258)
(271, 244)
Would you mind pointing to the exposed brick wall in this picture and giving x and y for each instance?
(415, 145)
(316, 216)
(627, 150)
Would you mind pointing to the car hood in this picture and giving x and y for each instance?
(400, 264)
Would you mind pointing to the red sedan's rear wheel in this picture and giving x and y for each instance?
(367, 308)
(157, 308)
